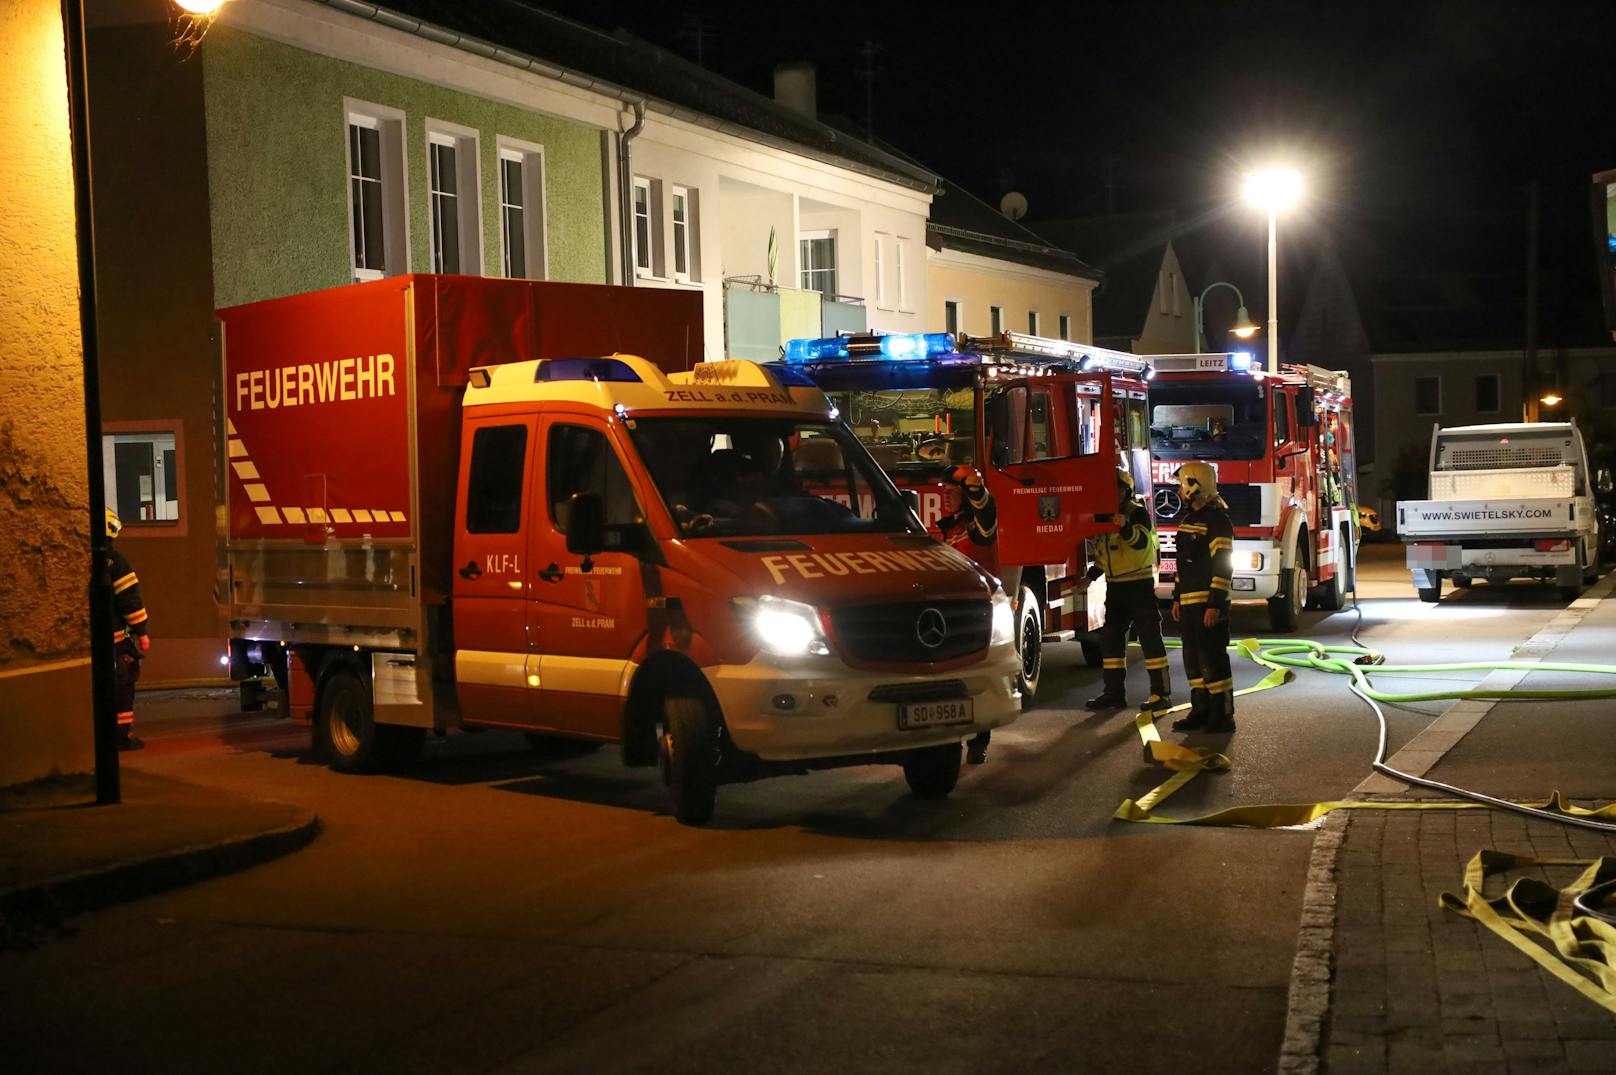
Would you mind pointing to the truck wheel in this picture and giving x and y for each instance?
(1462, 582)
(933, 771)
(1030, 646)
(1433, 593)
(1285, 607)
(344, 725)
(687, 748)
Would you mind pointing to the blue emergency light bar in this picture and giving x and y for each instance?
(898, 346)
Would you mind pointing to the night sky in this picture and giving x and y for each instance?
(1418, 125)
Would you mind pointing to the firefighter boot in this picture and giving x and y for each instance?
(1113, 695)
(1161, 691)
(1221, 718)
(976, 748)
(127, 740)
(1200, 711)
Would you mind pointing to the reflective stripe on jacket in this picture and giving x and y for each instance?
(1129, 554)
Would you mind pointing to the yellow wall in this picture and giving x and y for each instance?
(44, 507)
(978, 283)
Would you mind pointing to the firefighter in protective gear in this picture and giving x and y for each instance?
(1127, 559)
(130, 640)
(1201, 599)
(979, 517)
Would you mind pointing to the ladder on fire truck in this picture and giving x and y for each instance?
(1032, 350)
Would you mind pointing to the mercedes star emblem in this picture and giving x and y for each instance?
(1168, 503)
(931, 628)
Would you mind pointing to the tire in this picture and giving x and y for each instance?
(1285, 608)
(1462, 582)
(344, 722)
(1432, 594)
(1029, 646)
(932, 772)
(687, 748)
(560, 746)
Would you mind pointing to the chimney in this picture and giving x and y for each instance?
(796, 87)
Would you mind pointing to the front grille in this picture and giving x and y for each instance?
(1501, 457)
(1245, 505)
(930, 691)
(889, 633)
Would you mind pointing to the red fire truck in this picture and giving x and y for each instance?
(1282, 445)
(1046, 421)
(435, 520)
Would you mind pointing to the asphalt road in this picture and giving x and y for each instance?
(496, 911)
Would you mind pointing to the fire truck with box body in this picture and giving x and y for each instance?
(434, 521)
(1282, 445)
(1047, 422)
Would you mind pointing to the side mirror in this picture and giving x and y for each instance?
(1305, 418)
(586, 524)
(911, 500)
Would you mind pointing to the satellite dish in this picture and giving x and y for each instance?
(1013, 205)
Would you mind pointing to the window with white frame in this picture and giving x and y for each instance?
(899, 245)
(1032, 322)
(995, 320)
(685, 245)
(817, 250)
(522, 224)
(643, 232)
(1065, 326)
(453, 189)
(142, 476)
(951, 317)
(880, 272)
(378, 238)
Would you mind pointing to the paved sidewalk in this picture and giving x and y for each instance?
(64, 854)
(1388, 980)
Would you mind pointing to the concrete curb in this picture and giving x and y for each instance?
(121, 882)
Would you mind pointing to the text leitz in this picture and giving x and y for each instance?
(336, 381)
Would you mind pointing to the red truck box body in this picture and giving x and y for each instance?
(343, 406)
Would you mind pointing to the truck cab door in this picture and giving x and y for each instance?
(588, 614)
(491, 580)
(1050, 467)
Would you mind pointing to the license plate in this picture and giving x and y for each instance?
(1169, 565)
(934, 714)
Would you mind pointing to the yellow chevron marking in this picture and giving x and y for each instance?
(230, 427)
(318, 515)
(238, 450)
(361, 515)
(267, 515)
(397, 516)
(246, 471)
(257, 493)
(294, 516)
(341, 515)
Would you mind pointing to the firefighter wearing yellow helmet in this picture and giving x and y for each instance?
(130, 640)
(1127, 559)
(1201, 599)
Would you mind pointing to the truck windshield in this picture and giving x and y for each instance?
(913, 429)
(1208, 419)
(744, 476)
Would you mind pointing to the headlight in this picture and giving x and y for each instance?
(1247, 561)
(1004, 620)
(784, 628)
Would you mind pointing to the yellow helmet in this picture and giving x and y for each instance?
(1197, 482)
(114, 524)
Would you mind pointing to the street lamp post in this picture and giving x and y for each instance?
(1273, 190)
(1243, 328)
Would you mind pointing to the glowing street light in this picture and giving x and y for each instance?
(200, 8)
(1552, 399)
(1273, 190)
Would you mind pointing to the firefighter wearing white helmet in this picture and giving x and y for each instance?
(130, 641)
(1127, 559)
(1201, 599)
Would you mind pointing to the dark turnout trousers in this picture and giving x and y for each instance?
(1133, 604)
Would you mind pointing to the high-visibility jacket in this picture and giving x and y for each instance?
(1129, 555)
(1205, 557)
(129, 611)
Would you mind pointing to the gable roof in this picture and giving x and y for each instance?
(613, 62)
(960, 220)
(1129, 248)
